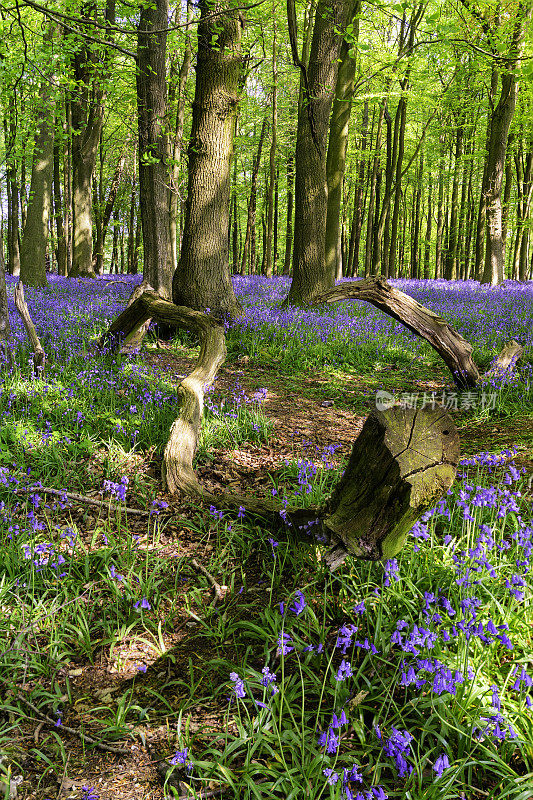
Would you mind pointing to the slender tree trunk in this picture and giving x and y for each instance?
(154, 177)
(372, 193)
(269, 259)
(357, 219)
(98, 256)
(61, 245)
(440, 214)
(202, 279)
(453, 231)
(429, 222)
(417, 199)
(248, 252)
(290, 213)
(13, 247)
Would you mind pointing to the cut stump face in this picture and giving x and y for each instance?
(402, 462)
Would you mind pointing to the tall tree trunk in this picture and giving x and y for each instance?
(67, 186)
(440, 213)
(61, 245)
(429, 222)
(453, 231)
(500, 123)
(153, 145)
(87, 108)
(13, 248)
(372, 192)
(177, 142)
(202, 279)
(309, 266)
(338, 145)
(35, 237)
(290, 214)
(269, 257)
(417, 199)
(98, 256)
(357, 218)
(248, 252)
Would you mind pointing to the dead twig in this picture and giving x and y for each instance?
(220, 591)
(82, 498)
(118, 751)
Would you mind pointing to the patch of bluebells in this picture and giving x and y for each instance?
(180, 759)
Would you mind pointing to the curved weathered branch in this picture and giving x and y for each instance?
(39, 355)
(455, 351)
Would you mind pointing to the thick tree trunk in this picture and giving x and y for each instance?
(35, 237)
(500, 123)
(337, 148)
(177, 144)
(202, 279)
(309, 266)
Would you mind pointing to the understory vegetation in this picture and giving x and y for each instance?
(411, 678)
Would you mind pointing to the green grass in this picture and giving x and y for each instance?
(85, 590)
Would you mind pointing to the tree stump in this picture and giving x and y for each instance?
(402, 462)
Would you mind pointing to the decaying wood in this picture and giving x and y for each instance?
(402, 462)
(43, 717)
(22, 307)
(83, 498)
(454, 350)
(510, 354)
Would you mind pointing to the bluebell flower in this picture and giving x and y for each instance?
(238, 688)
(299, 603)
(344, 671)
(441, 764)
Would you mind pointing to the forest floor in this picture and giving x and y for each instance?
(155, 682)
(308, 414)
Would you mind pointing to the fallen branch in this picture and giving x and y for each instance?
(455, 351)
(220, 591)
(119, 751)
(39, 355)
(83, 498)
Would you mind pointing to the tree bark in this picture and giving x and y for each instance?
(202, 279)
(248, 252)
(87, 109)
(35, 237)
(290, 214)
(309, 266)
(500, 123)
(61, 244)
(337, 148)
(153, 145)
(177, 143)
(269, 251)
